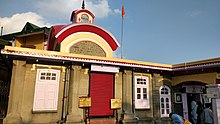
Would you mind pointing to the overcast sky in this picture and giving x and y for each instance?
(161, 31)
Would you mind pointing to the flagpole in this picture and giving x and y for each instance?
(122, 36)
(122, 23)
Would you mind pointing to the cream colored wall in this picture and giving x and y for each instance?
(22, 95)
(118, 88)
(79, 86)
(208, 78)
(85, 36)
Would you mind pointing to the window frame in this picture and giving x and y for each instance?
(84, 18)
(165, 97)
(46, 91)
(142, 84)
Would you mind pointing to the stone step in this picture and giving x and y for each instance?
(103, 121)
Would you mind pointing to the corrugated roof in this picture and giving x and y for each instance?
(29, 28)
(25, 52)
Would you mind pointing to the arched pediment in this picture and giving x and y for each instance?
(77, 28)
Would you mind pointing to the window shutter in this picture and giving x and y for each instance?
(39, 97)
(165, 101)
(142, 100)
(46, 89)
(101, 92)
(52, 96)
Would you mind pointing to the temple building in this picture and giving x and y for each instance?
(67, 74)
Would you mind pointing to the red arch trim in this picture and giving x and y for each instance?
(71, 29)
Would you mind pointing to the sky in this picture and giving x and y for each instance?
(159, 31)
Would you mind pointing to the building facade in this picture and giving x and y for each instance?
(46, 83)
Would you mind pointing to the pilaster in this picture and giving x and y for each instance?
(16, 93)
(75, 113)
(127, 97)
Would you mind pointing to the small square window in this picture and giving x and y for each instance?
(47, 78)
(145, 96)
(162, 111)
(53, 78)
(54, 74)
(144, 90)
(167, 105)
(48, 74)
(162, 105)
(42, 78)
(168, 110)
(42, 74)
(138, 96)
(138, 90)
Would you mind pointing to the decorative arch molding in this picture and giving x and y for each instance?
(207, 78)
(72, 39)
(192, 83)
(165, 79)
(90, 28)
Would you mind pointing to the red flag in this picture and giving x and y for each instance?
(123, 11)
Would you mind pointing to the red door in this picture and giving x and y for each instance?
(101, 92)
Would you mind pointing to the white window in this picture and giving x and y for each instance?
(165, 101)
(142, 100)
(46, 90)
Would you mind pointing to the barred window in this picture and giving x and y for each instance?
(142, 92)
(165, 101)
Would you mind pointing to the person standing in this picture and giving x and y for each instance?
(207, 115)
(193, 111)
(199, 112)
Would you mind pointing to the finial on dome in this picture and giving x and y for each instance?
(83, 5)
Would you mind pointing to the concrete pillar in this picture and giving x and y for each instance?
(75, 113)
(156, 98)
(16, 94)
(127, 96)
(118, 89)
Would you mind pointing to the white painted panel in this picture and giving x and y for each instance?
(104, 68)
(216, 111)
(142, 103)
(185, 106)
(46, 91)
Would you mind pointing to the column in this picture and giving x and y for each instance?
(16, 94)
(75, 113)
(127, 96)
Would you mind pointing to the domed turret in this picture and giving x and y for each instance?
(82, 16)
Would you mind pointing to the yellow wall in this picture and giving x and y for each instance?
(208, 78)
(20, 105)
(36, 40)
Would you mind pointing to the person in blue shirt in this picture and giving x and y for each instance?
(193, 111)
(177, 119)
(207, 115)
